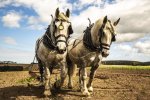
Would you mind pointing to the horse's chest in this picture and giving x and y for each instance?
(85, 60)
(92, 58)
(55, 57)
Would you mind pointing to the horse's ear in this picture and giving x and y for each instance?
(116, 22)
(68, 13)
(57, 12)
(105, 20)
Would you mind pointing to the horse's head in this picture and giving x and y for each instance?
(105, 34)
(61, 29)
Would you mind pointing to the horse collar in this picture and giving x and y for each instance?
(87, 40)
(47, 40)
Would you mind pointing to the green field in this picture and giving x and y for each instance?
(129, 67)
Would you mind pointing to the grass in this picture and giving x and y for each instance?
(129, 67)
(26, 80)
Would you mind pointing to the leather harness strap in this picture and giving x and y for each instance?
(49, 43)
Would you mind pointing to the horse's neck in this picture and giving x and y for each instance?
(78, 49)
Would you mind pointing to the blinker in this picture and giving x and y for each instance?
(113, 39)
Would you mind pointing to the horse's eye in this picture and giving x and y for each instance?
(108, 28)
(63, 20)
(56, 20)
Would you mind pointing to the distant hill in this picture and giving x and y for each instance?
(7, 62)
(125, 62)
(11, 66)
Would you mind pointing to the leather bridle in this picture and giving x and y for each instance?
(61, 35)
(52, 43)
(101, 34)
(70, 31)
(87, 39)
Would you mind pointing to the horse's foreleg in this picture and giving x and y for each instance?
(63, 74)
(92, 73)
(47, 82)
(41, 70)
(71, 72)
(83, 76)
(64, 71)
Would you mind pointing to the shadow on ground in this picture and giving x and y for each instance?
(16, 92)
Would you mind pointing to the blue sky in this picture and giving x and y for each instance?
(23, 21)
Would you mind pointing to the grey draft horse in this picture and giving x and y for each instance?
(89, 51)
(51, 48)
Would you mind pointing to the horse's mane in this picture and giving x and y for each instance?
(62, 16)
(97, 26)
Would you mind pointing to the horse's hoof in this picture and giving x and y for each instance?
(57, 85)
(41, 84)
(90, 89)
(47, 93)
(86, 93)
(70, 86)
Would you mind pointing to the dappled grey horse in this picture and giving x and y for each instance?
(89, 51)
(51, 48)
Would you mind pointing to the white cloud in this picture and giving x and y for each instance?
(34, 23)
(11, 19)
(32, 20)
(10, 41)
(44, 8)
(85, 2)
(80, 4)
(138, 47)
(134, 14)
(126, 47)
(3, 3)
(143, 46)
(128, 37)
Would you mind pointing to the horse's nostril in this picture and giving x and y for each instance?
(57, 48)
(105, 54)
(61, 51)
(64, 49)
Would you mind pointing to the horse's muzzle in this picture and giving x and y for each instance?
(61, 51)
(105, 54)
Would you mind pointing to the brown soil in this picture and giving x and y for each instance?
(108, 85)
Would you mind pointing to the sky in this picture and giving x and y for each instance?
(22, 22)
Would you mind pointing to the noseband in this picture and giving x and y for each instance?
(61, 35)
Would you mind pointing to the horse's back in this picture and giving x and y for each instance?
(72, 43)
